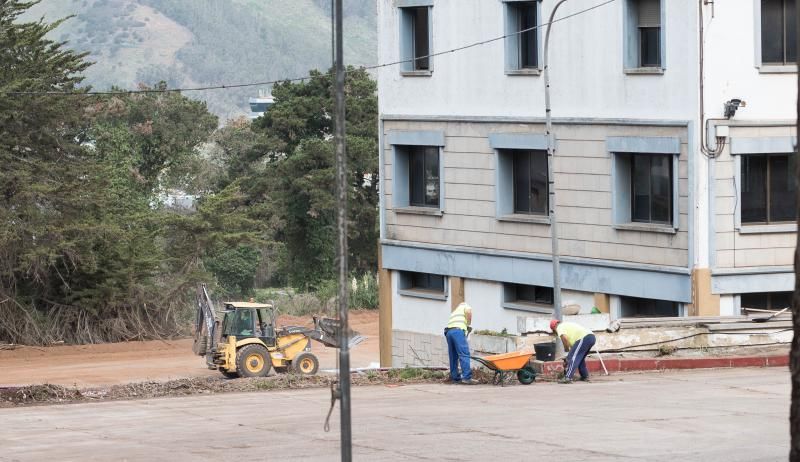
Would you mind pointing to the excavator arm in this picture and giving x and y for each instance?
(206, 324)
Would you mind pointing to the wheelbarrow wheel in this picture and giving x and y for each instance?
(526, 375)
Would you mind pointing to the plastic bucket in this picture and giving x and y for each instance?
(545, 351)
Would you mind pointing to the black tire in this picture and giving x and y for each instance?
(306, 364)
(229, 375)
(253, 361)
(526, 375)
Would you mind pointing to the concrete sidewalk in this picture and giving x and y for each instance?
(730, 415)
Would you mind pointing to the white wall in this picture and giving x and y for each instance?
(422, 315)
(731, 70)
(587, 78)
(417, 314)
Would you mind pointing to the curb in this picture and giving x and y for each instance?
(554, 368)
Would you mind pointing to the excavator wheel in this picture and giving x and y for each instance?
(306, 364)
(253, 361)
(229, 375)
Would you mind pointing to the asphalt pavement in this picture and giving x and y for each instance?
(700, 415)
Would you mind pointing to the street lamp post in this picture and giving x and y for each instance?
(551, 151)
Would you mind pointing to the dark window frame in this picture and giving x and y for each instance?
(670, 194)
(644, 59)
(427, 153)
(786, 43)
(421, 57)
(768, 191)
(769, 299)
(526, 41)
(427, 282)
(645, 34)
(515, 177)
(631, 307)
(543, 296)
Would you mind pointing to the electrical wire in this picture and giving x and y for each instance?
(617, 350)
(299, 79)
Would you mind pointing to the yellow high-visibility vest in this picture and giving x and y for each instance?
(458, 318)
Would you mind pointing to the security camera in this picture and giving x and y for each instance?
(731, 107)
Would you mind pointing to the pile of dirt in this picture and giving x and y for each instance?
(54, 394)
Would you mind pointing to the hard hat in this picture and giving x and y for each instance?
(553, 324)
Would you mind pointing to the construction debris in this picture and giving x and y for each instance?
(54, 394)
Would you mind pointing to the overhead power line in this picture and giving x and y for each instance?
(300, 79)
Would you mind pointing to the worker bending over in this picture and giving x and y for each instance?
(578, 340)
(456, 334)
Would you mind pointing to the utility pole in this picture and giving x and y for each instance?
(341, 223)
(551, 154)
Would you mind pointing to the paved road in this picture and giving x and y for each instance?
(720, 415)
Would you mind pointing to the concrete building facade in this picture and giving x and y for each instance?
(651, 175)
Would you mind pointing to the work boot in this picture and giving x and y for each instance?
(450, 380)
(469, 382)
(585, 379)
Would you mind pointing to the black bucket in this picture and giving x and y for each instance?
(545, 351)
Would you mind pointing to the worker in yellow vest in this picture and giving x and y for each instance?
(456, 334)
(578, 340)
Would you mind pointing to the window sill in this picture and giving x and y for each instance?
(416, 73)
(767, 229)
(777, 69)
(645, 70)
(421, 293)
(529, 307)
(646, 227)
(522, 218)
(413, 210)
(523, 71)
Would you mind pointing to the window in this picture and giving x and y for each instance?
(643, 34)
(644, 183)
(778, 32)
(522, 48)
(415, 39)
(767, 300)
(769, 189)
(425, 281)
(521, 186)
(651, 189)
(424, 285)
(530, 182)
(423, 176)
(632, 307)
(528, 298)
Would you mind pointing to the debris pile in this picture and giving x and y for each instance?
(54, 394)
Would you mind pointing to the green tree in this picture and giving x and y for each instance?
(295, 182)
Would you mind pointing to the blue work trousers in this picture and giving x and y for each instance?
(577, 357)
(458, 349)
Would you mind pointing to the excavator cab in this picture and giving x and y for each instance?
(249, 320)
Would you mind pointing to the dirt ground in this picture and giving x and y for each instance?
(120, 363)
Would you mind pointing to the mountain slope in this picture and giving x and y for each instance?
(208, 42)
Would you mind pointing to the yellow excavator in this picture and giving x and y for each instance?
(245, 342)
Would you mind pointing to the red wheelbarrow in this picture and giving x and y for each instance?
(517, 361)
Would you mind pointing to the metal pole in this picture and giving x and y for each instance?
(551, 153)
(341, 222)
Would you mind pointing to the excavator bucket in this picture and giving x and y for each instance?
(329, 328)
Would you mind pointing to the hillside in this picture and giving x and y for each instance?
(208, 42)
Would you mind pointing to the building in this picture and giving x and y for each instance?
(673, 162)
(260, 104)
